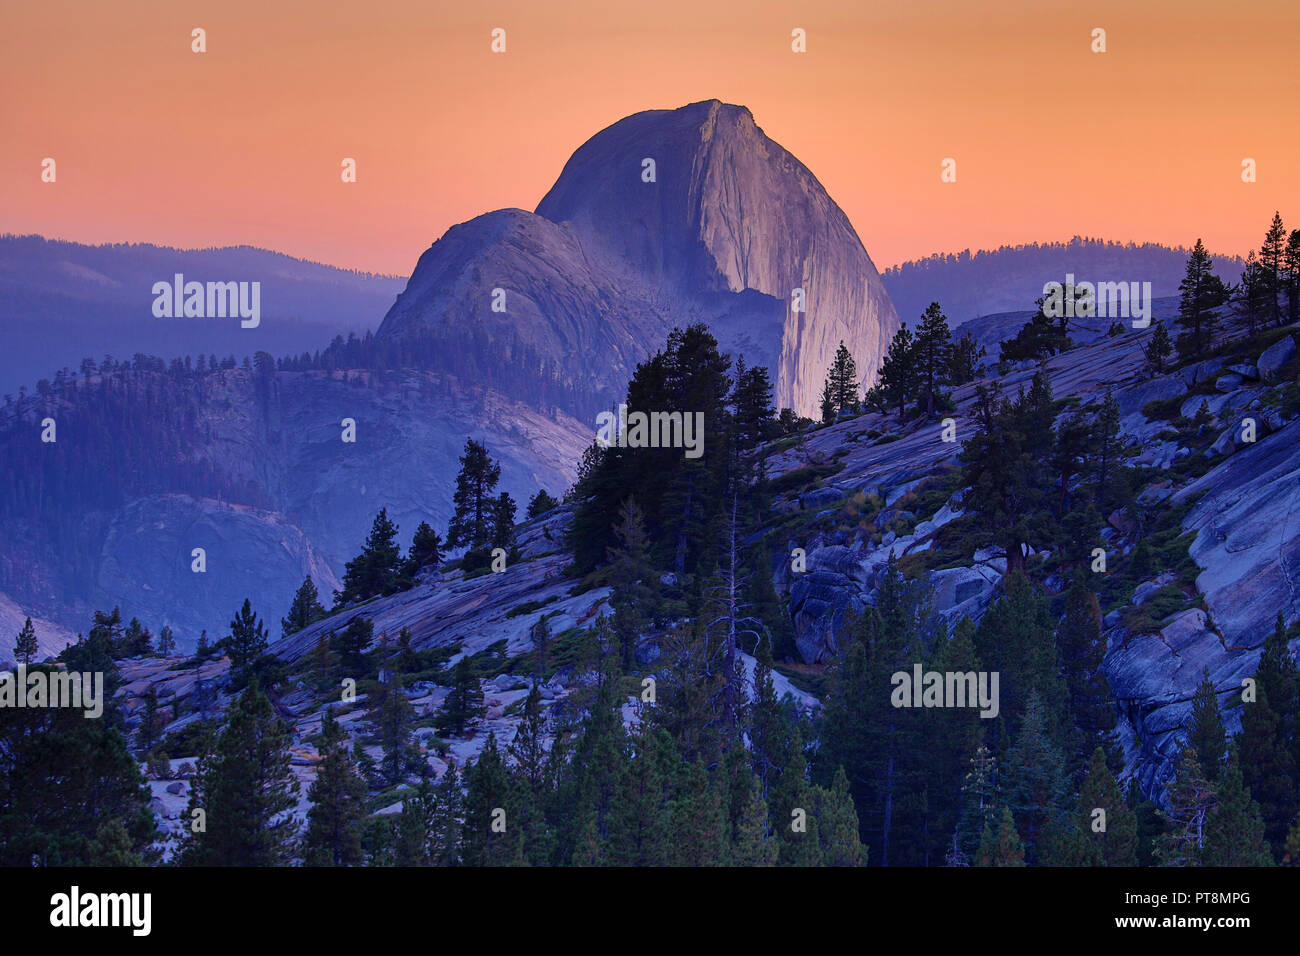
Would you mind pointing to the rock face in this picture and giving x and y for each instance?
(1248, 539)
(1275, 356)
(146, 565)
(729, 228)
(317, 494)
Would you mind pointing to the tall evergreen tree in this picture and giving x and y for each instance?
(1034, 779)
(471, 525)
(503, 521)
(246, 643)
(1272, 261)
(1082, 649)
(842, 382)
(337, 797)
(1201, 292)
(898, 370)
(934, 352)
(1189, 800)
(425, 551)
(1270, 736)
(1113, 836)
(376, 569)
(463, 705)
(245, 790)
(1003, 846)
(1234, 832)
(25, 647)
(306, 609)
(540, 503)
(1205, 733)
(491, 836)
(633, 582)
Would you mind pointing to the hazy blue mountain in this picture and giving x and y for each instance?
(1011, 278)
(61, 302)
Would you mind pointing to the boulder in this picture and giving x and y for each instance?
(1245, 371)
(1195, 373)
(959, 592)
(1275, 356)
(1228, 382)
(820, 498)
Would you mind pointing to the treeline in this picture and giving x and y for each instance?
(474, 354)
(123, 436)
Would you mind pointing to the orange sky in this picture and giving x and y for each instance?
(242, 144)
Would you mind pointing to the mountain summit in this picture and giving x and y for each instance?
(667, 216)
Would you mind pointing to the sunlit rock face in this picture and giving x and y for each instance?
(665, 218)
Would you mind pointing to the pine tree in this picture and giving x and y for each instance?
(1015, 638)
(351, 646)
(1234, 832)
(247, 641)
(147, 735)
(503, 521)
(1249, 297)
(1157, 351)
(1291, 262)
(337, 797)
(478, 477)
(965, 364)
(1270, 736)
(528, 750)
(1201, 292)
(1268, 765)
(639, 833)
(934, 353)
(306, 609)
(376, 569)
(1002, 848)
(1034, 778)
(25, 647)
(1116, 844)
(1082, 649)
(1205, 733)
(842, 382)
(541, 503)
(425, 551)
(246, 790)
(393, 718)
(699, 822)
(1272, 263)
(491, 836)
(166, 641)
(751, 842)
(827, 404)
(837, 824)
(464, 704)
(632, 580)
(898, 370)
(752, 403)
(1190, 799)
